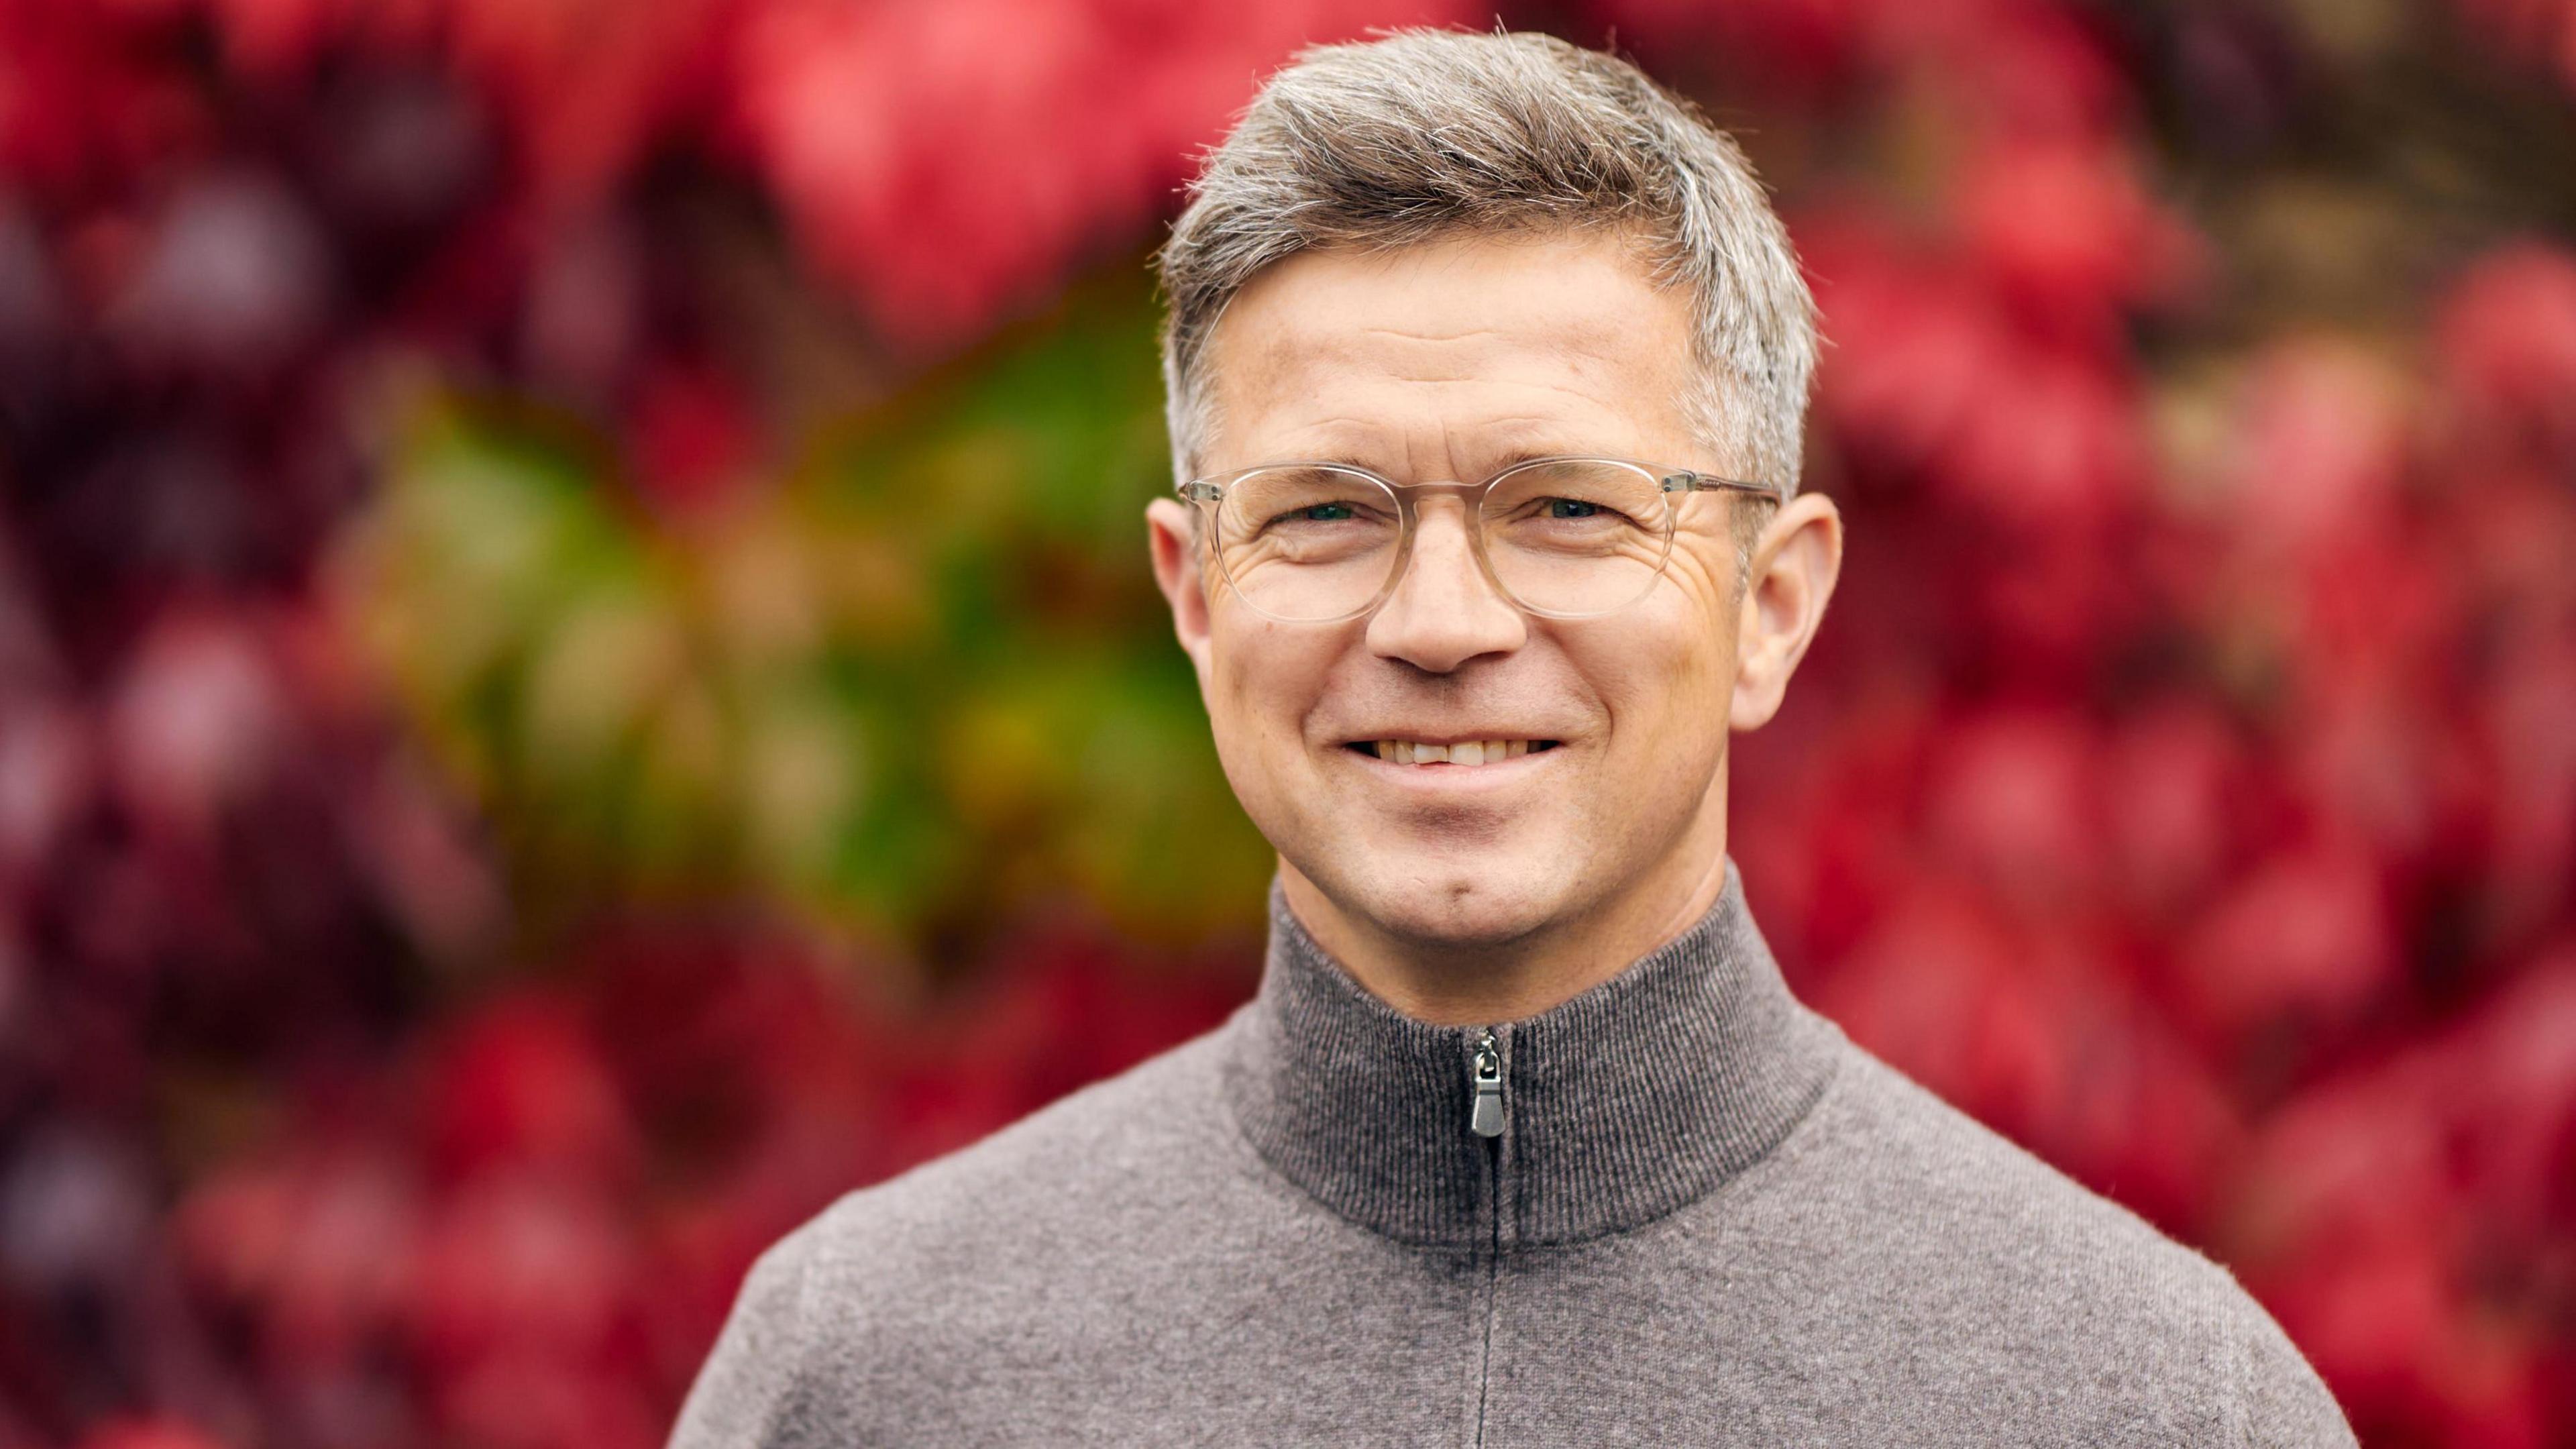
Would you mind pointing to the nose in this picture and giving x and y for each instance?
(1444, 611)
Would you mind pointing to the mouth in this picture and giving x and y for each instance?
(1468, 753)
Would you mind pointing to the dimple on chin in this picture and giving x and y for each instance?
(1457, 889)
(1491, 905)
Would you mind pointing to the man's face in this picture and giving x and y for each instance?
(1445, 361)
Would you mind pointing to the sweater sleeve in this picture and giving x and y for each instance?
(743, 1395)
(2282, 1402)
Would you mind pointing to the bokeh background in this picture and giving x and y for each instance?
(578, 675)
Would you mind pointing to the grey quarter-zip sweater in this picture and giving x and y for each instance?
(1689, 1211)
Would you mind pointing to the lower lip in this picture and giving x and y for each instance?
(1449, 778)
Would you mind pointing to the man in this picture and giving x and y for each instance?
(1487, 364)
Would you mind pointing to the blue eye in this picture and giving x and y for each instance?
(1326, 512)
(1571, 508)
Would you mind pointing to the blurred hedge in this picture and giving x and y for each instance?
(577, 673)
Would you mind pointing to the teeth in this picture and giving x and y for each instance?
(1465, 752)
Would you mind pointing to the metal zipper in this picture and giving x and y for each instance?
(1485, 1119)
(1486, 1076)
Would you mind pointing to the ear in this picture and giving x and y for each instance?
(1795, 564)
(1173, 537)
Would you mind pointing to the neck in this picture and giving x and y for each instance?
(1451, 983)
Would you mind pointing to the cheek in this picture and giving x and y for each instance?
(1265, 681)
(1664, 675)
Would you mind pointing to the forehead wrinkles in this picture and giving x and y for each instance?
(1311, 350)
(1370, 313)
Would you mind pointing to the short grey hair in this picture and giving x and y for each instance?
(1424, 133)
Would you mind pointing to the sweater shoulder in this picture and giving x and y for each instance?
(1083, 1155)
(891, 1300)
(1984, 1240)
(1895, 1144)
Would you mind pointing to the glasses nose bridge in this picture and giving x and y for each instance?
(1470, 498)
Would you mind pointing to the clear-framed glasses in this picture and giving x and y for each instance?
(1560, 537)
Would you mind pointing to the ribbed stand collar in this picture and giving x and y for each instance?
(1620, 1104)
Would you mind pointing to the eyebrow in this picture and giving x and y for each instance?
(1491, 463)
(1507, 457)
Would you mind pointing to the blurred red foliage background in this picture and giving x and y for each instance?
(2184, 782)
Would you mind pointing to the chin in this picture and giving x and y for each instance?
(1449, 904)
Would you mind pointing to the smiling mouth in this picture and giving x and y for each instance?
(1462, 752)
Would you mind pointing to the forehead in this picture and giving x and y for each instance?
(1563, 341)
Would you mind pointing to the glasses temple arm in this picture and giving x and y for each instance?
(1711, 483)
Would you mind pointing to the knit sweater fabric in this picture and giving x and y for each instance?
(1708, 1218)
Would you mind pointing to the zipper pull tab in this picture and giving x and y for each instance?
(1487, 1078)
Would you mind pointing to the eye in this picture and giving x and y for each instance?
(1571, 508)
(1339, 511)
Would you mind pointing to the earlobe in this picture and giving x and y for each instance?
(1173, 542)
